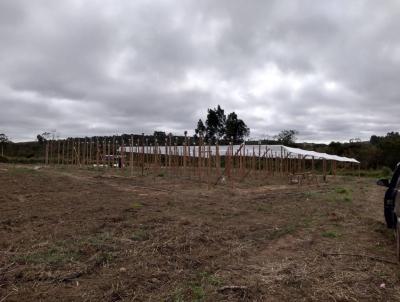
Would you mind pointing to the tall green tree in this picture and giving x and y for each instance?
(235, 128)
(200, 129)
(215, 123)
(389, 147)
(220, 127)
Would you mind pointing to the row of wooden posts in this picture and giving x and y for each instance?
(191, 160)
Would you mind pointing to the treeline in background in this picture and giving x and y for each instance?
(377, 153)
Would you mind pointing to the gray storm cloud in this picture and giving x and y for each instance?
(328, 70)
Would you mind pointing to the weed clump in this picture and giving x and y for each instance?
(330, 234)
(140, 235)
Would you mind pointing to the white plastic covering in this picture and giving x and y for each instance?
(270, 151)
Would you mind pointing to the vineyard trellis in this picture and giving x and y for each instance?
(210, 163)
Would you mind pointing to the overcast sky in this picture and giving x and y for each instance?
(330, 69)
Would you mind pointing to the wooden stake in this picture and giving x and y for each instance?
(142, 157)
(63, 150)
(131, 155)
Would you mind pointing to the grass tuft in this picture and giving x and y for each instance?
(140, 235)
(198, 293)
(136, 205)
(330, 234)
(57, 255)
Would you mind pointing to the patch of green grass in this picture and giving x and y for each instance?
(196, 290)
(311, 194)
(136, 205)
(178, 296)
(198, 293)
(62, 253)
(56, 255)
(140, 235)
(99, 240)
(340, 194)
(348, 199)
(342, 190)
(385, 172)
(330, 234)
(22, 171)
(307, 222)
(104, 258)
(211, 279)
(279, 232)
(266, 208)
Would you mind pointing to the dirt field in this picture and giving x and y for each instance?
(80, 235)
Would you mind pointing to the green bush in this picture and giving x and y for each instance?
(386, 172)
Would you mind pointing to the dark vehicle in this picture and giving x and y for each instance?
(391, 211)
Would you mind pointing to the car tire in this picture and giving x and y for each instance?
(390, 217)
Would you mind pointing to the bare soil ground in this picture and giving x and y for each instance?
(81, 235)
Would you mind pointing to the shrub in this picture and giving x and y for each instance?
(386, 172)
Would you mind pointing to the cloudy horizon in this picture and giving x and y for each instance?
(83, 68)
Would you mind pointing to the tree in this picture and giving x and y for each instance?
(287, 137)
(235, 128)
(375, 140)
(388, 147)
(215, 123)
(201, 129)
(3, 140)
(160, 136)
(42, 138)
(218, 126)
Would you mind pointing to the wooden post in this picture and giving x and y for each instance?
(185, 154)
(97, 152)
(79, 153)
(67, 153)
(121, 148)
(209, 164)
(86, 153)
(73, 152)
(259, 159)
(217, 160)
(313, 165)
(253, 162)
(142, 157)
(58, 151)
(109, 154)
(104, 160)
(46, 153)
(166, 155)
(63, 152)
(194, 159)
(91, 159)
(189, 158)
(131, 155)
(228, 160)
(155, 154)
(199, 156)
